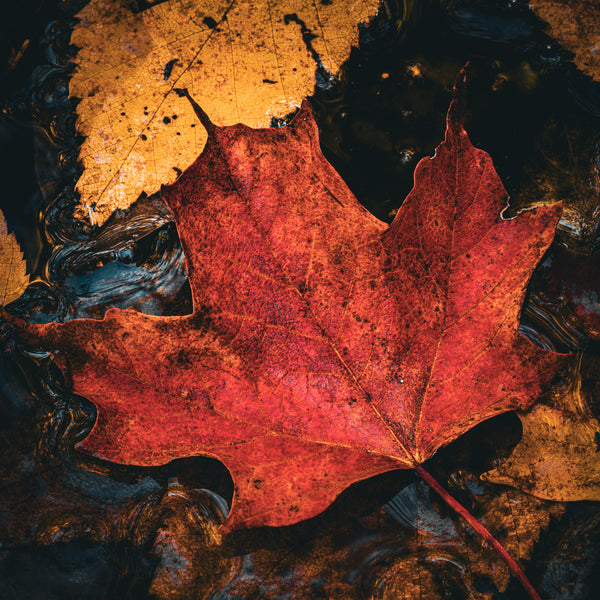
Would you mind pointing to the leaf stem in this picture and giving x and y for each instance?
(475, 524)
(200, 113)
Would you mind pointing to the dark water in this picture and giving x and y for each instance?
(75, 527)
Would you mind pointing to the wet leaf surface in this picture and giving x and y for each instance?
(324, 346)
(557, 457)
(245, 62)
(13, 274)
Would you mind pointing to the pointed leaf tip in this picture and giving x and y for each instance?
(456, 112)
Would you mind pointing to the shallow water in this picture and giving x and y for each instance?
(72, 526)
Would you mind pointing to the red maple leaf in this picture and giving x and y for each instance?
(324, 346)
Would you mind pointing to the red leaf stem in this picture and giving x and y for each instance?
(475, 524)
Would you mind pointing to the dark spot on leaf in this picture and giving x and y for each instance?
(122, 114)
(144, 136)
(183, 357)
(257, 483)
(166, 120)
(210, 22)
(268, 81)
(202, 317)
(169, 68)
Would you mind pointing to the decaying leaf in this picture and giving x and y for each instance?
(13, 275)
(324, 346)
(245, 61)
(576, 26)
(516, 520)
(558, 457)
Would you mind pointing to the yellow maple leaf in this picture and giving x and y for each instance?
(557, 457)
(244, 61)
(13, 276)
